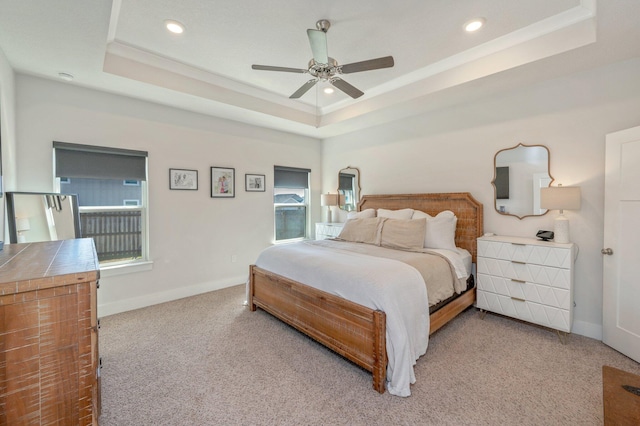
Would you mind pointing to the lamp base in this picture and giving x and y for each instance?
(561, 229)
(328, 214)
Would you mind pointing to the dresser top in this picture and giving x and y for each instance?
(524, 240)
(33, 266)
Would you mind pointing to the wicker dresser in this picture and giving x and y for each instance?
(48, 333)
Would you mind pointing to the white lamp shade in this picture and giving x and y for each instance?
(560, 198)
(22, 224)
(329, 199)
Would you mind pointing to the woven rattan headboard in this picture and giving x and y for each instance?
(467, 209)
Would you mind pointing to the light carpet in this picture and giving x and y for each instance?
(208, 360)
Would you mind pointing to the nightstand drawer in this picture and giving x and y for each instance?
(526, 253)
(527, 291)
(546, 275)
(326, 230)
(548, 316)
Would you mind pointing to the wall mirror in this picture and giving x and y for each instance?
(39, 216)
(349, 188)
(519, 173)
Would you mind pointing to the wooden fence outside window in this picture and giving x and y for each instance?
(117, 233)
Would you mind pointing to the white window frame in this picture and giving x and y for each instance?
(144, 263)
(144, 256)
(307, 218)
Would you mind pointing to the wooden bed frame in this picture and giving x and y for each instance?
(354, 331)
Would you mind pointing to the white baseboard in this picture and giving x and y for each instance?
(165, 296)
(587, 329)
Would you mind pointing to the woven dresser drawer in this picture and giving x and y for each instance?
(526, 279)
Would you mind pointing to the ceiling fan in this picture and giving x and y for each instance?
(324, 68)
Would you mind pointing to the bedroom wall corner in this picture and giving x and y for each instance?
(197, 243)
(7, 132)
(452, 150)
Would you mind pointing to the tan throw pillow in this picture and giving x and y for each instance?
(366, 230)
(403, 234)
(368, 213)
(395, 214)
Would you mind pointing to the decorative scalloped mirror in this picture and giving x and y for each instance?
(349, 188)
(519, 173)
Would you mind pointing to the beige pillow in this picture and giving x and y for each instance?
(403, 234)
(441, 229)
(396, 214)
(362, 215)
(365, 230)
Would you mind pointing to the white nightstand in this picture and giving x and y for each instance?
(326, 230)
(528, 279)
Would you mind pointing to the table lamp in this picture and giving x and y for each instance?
(560, 198)
(22, 224)
(329, 200)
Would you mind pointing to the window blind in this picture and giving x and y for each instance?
(346, 181)
(290, 177)
(88, 161)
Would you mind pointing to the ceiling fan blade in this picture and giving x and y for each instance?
(371, 64)
(284, 69)
(318, 42)
(346, 88)
(303, 89)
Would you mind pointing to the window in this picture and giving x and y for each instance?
(112, 198)
(290, 200)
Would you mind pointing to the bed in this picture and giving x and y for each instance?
(355, 331)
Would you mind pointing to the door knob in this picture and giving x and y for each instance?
(606, 251)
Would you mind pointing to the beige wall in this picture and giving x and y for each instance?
(7, 132)
(452, 150)
(192, 236)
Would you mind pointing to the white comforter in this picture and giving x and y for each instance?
(378, 283)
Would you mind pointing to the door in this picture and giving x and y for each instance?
(621, 285)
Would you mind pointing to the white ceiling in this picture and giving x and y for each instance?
(121, 46)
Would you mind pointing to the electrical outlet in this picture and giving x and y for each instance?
(234, 258)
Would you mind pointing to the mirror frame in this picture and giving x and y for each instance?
(495, 172)
(358, 190)
(11, 212)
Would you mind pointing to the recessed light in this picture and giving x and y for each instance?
(328, 90)
(65, 76)
(474, 25)
(174, 26)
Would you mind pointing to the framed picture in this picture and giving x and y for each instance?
(183, 179)
(254, 183)
(223, 182)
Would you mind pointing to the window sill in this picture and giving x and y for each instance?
(129, 268)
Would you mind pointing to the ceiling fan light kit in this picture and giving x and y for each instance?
(324, 68)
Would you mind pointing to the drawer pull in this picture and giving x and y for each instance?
(518, 299)
(518, 262)
(518, 244)
(518, 281)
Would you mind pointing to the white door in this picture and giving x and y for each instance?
(621, 284)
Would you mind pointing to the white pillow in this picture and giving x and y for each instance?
(396, 214)
(441, 230)
(364, 214)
